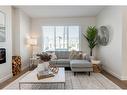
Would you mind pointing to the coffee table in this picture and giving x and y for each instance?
(31, 78)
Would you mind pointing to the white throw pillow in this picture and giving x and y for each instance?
(53, 55)
(84, 55)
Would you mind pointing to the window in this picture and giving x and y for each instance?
(60, 38)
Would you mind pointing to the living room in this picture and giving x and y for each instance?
(26, 24)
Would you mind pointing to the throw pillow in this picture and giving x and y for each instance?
(80, 55)
(75, 55)
(72, 54)
(84, 55)
(89, 58)
(53, 55)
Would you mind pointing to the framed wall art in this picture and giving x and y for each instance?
(2, 27)
(104, 35)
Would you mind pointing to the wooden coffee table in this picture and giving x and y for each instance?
(31, 78)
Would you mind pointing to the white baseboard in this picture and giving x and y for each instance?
(124, 78)
(11, 75)
(111, 72)
(6, 78)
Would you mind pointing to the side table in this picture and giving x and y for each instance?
(97, 66)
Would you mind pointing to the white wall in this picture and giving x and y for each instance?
(25, 26)
(6, 68)
(124, 44)
(21, 30)
(84, 22)
(15, 32)
(111, 55)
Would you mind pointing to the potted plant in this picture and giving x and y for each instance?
(44, 59)
(91, 37)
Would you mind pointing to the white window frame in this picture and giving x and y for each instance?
(67, 36)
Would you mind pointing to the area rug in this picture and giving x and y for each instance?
(79, 81)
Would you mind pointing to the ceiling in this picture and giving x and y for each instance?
(60, 11)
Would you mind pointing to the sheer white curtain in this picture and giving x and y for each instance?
(60, 38)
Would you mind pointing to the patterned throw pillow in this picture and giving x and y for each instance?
(75, 55)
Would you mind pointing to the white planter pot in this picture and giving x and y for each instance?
(46, 66)
(43, 66)
(92, 57)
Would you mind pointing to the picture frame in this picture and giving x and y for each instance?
(2, 26)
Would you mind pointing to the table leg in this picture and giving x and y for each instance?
(64, 86)
(29, 65)
(19, 86)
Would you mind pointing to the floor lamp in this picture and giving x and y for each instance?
(33, 43)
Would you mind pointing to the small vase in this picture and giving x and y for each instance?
(46, 66)
(41, 67)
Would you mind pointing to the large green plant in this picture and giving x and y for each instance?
(91, 37)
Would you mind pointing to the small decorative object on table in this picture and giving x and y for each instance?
(97, 67)
(53, 68)
(44, 57)
(44, 74)
(45, 70)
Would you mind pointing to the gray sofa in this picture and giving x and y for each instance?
(62, 60)
(76, 65)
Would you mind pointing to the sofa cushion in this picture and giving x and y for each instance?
(61, 61)
(54, 62)
(80, 63)
(79, 69)
(62, 54)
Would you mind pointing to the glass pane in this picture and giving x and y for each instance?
(61, 38)
(73, 37)
(48, 38)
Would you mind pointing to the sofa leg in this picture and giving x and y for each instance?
(89, 73)
(74, 73)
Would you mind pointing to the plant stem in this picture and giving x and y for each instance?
(91, 52)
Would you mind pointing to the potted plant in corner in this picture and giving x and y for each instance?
(91, 37)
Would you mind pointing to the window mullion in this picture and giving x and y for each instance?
(55, 37)
(64, 38)
(67, 38)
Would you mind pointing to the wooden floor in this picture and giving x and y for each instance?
(121, 84)
(5, 83)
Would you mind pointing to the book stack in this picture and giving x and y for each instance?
(45, 74)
